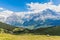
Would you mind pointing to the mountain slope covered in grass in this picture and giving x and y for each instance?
(6, 26)
(43, 31)
(49, 30)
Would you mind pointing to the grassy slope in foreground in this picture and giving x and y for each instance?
(4, 36)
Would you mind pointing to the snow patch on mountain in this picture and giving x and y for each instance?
(38, 15)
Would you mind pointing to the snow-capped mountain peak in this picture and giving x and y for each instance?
(45, 18)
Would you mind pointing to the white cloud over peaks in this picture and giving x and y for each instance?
(4, 14)
(34, 9)
(37, 7)
(1, 9)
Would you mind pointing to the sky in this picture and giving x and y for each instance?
(20, 5)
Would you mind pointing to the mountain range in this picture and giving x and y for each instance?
(45, 18)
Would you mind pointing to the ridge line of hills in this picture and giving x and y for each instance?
(49, 30)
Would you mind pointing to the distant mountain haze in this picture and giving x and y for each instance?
(45, 18)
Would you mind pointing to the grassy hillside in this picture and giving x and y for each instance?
(49, 30)
(50, 33)
(6, 26)
(11, 29)
(39, 31)
(27, 37)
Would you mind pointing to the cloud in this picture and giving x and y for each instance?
(35, 12)
(1, 9)
(37, 7)
(4, 14)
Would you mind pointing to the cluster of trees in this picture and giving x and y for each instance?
(15, 31)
